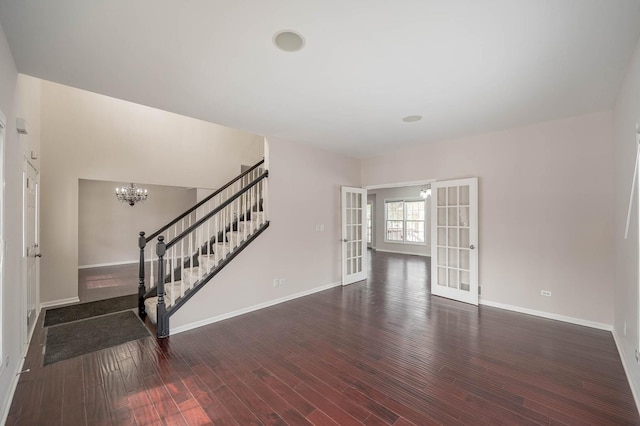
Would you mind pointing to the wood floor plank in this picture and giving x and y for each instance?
(212, 407)
(73, 406)
(143, 409)
(379, 352)
(96, 406)
(160, 397)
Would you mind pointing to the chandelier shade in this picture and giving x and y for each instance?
(426, 192)
(131, 194)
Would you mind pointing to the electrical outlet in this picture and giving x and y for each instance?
(545, 292)
(276, 282)
(283, 281)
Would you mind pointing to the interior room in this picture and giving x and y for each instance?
(371, 212)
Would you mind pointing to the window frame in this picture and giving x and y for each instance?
(404, 202)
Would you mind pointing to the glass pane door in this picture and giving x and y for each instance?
(454, 257)
(354, 234)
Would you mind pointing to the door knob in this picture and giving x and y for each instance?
(344, 240)
(472, 246)
(39, 255)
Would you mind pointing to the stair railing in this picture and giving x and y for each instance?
(182, 223)
(206, 246)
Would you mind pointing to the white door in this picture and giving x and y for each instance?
(354, 235)
(454, 239)
(31, 252)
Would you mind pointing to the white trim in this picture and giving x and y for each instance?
(100, 265)
(211, 320)
(402, 252)
(400, 184)
(59, 302)
(627, 369)
(548, 315)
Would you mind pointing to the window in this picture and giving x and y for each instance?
(369, 206)
(404, 221)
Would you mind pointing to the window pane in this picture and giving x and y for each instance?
(395, 210)
(394, 230)
(415, 231)
(415, 210)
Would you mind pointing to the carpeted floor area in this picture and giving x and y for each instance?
(87, 310)
(78, 338)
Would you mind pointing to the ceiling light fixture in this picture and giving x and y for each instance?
(426, 192)
(412, 118)
(131, 194)
(288, 41)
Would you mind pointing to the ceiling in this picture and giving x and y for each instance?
(465, 66)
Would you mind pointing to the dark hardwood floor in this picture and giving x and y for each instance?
(377, 352)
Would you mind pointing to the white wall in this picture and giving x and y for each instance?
(404, 192)
(108, 230)
(90, 136)
(304, 191)
(19, 97)
(626, 302)
(545, 210)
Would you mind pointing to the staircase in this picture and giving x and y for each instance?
(195, 246)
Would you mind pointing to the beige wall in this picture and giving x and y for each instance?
(404, 192)
(108, 230)
(90, 136)
(626, 302)
(545, 210)
(304, 191)
(19, 97)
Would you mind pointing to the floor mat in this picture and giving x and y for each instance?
(81, 337)
(91, 309)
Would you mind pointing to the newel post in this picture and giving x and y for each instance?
(142, 242)
(163, 319)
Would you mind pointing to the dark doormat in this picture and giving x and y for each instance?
(81, 337)
(90, 309)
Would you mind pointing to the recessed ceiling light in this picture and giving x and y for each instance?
(289, 41)
(412, 118)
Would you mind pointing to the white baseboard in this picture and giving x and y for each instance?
(191, 326)
(100, 265)
(402, 252)
(548, 315)
(59, 302)
(627, 370)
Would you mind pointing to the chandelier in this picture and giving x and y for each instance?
(131, 194)
(426, 192)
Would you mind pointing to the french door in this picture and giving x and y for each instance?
(454, 240)
(354, 234)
